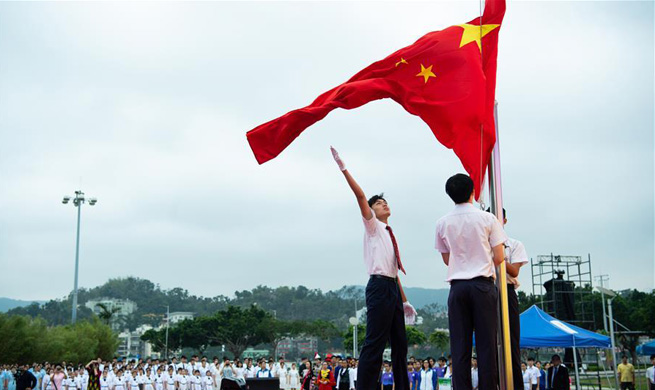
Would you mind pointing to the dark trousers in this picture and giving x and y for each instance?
(472, 305)
(515, 336)
(385, 321)
(627, 386)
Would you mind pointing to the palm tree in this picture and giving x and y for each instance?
(106, 314)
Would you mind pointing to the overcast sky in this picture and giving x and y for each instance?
(145, 106)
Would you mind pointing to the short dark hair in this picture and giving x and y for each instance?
(556, 357)
(531, 359)
(375, 198)
(652, 357)
(504, 212)
(459, 187)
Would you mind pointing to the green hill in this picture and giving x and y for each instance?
(288, 303)
(8, 303)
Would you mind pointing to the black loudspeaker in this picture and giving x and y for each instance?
(263, 384)
(560, 296)
(568, 358)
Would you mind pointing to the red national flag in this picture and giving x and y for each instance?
(447, 78)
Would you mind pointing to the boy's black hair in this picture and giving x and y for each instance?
(530, 359)
(459, 187)
(375, 198)
(504, 212)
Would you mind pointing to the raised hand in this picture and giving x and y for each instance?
(340, 162)
(410, 313)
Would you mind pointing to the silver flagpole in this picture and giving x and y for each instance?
(496, 200)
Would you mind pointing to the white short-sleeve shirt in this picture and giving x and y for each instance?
(379, 255)
(515, 254)
(468, 234)
(534, 374)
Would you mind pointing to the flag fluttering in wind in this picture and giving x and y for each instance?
(447, 78)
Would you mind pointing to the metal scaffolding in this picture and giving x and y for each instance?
(570, 285)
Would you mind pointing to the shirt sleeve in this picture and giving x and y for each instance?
(370, 224)
(440, 243)
(518, 254)
(497, 235)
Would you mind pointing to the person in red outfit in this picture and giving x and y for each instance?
(325, 379)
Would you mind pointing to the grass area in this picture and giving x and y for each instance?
(641, 383)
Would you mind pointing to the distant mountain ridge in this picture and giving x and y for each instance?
(7, 304)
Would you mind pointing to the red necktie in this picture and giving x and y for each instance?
(395, 249)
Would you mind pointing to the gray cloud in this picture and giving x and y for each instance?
(146, 106)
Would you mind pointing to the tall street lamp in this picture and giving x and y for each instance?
(78, 201)
(611, 294)
(168, 316)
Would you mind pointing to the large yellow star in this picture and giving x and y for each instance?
(426, 73)
(475, 33)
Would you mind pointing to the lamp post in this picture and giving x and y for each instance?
(168, 316)
(611, 294)
(78, 201)
(354, 321)
(601, 279)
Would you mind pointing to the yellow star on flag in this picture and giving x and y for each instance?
(426, 73)
(475, 33)
(402, 61)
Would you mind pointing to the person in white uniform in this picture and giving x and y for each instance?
(148, 383)
(208, 381)
(474, 373)
(281, 373)
(294, 377)
(515, 258)
(650, 373)
(169, 384)
(388, 310)
(471, 245)
(132, 383)
(525, 377)
(119, 382)
(182, 380)
(105, 381)
(158, 379)
(534, 372)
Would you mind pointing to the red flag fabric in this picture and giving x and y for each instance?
(447, 78)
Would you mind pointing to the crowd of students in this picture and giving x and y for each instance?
(332, 373)
(149, 374)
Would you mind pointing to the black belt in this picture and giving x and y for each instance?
(389, 278)
(478, 278)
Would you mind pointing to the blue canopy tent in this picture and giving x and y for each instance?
(646, 348)
(540, 329)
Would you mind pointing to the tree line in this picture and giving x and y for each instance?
(27, 340)
(238, 328)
